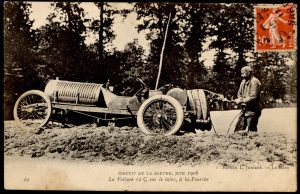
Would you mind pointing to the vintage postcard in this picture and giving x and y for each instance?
(106, 96)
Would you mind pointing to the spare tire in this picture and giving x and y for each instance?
(179, 94)
(204, 104)
(200, 107)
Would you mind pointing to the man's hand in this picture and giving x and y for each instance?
(221, 97)
(243, 105)
(238, 101)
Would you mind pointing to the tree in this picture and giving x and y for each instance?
(103, 27)
(20, 72)
(241, 34)
(233, 28)
(155, 17)
(129, 66)
(196, 20)
(62, 41)
(274, 74)
(292, 82)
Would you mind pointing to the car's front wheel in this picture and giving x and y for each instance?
(32, 110)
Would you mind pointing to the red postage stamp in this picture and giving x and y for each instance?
(275, 27)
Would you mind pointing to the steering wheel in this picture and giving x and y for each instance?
(144, 86)
(142, 82)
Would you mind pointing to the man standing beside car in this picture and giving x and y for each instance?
(249, 99)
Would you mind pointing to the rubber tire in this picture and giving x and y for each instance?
(204, 104)
(169, 99)
(30, 92)
(205, 111)
(197, 101)
(191, 103)
(179, 94)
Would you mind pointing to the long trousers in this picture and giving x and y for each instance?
(248, 123)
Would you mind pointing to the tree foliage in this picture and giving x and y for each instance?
(103, 27)
(277, 76)
(20, 74)
(195, 21)
(62, 41)
(155, 21)
(130, 65)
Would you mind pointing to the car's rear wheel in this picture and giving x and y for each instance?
(160, 114)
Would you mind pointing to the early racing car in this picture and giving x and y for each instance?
(155, 111)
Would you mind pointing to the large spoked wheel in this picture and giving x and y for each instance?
(32, 110)
(160, 114)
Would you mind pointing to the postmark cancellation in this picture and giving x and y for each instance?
(275, 27)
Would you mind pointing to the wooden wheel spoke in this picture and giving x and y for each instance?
(149, 112)
(28, 99)
(172, 117)
(152, 107)
(31, 99)
(24, 117)
(151, 125)
(169, 110)
(31, 116)
(37, 115)
(35, 99)
(156, 105)
(148, 119)
(24, 102)
(40, 108)
(166, 124)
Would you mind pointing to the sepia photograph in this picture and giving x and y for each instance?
(149, 96)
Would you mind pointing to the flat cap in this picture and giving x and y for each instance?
(246, 69)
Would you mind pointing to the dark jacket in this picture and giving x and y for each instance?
(249, 93)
